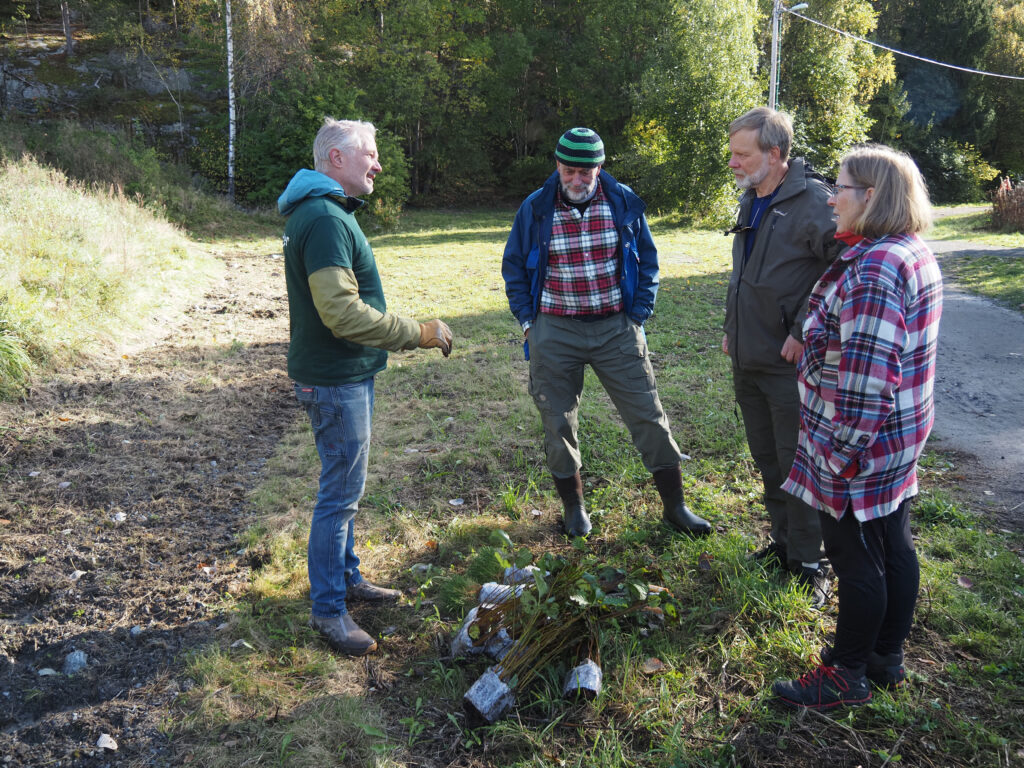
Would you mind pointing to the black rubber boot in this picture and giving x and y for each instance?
(574, 517)
(670, 487)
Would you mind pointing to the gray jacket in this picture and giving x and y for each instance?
(768, 296)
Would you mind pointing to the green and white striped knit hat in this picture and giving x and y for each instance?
(580, 147)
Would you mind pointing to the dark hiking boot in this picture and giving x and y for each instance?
(669, 483)
(772, 557)
(884, 671)
(823, 688)
(574, 513)
(344, 635)
(815, 581)
(366, 592)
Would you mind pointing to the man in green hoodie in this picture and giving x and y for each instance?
(340, 331)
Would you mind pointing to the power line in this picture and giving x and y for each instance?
(844, 33)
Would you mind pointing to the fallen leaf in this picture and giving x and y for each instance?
(704, 563)
(652, 666)
(63, 418)
(4, 521)
(431, 545)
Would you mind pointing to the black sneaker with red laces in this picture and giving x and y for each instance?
(824, 687)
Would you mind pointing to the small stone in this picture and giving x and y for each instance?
(47, 672)
(135, 631)
(222, 626)
(75, 662)
(34, 474)
(536, 512)
(420, 569)
(119, 517)
(76, 575)
(456, 502)
(65, 484)
(106, 741)
(652, 666)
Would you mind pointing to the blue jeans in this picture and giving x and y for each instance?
(341, 416)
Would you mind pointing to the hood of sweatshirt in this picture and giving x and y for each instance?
(307, 183)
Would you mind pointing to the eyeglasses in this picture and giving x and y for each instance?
(837, 188)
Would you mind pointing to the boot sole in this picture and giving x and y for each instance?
(842, 703)
(697, 534)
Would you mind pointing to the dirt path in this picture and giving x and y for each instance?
(123, 487)
(979, 393)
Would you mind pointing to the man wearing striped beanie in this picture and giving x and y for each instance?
(581, 276)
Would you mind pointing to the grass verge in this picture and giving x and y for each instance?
(457, 454)
(81, 270)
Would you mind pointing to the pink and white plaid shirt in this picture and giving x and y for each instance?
(866, 378)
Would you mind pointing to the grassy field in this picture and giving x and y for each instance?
(465, 429)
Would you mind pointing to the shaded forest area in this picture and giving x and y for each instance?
(471, 95)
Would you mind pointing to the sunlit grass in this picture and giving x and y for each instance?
(975, 227)
(82, 270)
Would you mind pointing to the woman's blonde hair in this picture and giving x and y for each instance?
(899, 202)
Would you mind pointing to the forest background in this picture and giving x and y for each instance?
(471, 96)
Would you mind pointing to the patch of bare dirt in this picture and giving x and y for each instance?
(123, 493)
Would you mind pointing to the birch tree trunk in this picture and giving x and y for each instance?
(231, 104)
(65, 17)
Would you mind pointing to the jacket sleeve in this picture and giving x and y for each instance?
(514, 267)
(822, 243)
(647, 278)
(336, 298)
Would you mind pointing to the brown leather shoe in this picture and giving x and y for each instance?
(366, 592)
(344, 635)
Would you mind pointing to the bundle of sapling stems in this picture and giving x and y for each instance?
(544, 623)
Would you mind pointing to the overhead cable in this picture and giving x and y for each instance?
(901, 53)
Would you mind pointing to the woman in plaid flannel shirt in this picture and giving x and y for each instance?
(866, 380)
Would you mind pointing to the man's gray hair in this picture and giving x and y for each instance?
(339, 134)
(774, 129)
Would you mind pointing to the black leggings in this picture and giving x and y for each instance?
(878, 576)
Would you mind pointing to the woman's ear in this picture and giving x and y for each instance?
(868, 193)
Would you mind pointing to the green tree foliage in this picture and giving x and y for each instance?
(1005, 54)
(702, 79)
(827, 80)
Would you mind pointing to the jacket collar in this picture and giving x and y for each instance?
(621, 198)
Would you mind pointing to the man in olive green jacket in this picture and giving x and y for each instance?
(784, 241)
(340, 331)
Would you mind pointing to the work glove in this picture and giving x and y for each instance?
(436, 333)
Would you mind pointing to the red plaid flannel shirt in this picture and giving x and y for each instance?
(583, 261)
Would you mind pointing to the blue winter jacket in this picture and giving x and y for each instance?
(525, 262)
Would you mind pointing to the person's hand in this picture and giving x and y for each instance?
(436, 333)
(725, 343)
(792, 350)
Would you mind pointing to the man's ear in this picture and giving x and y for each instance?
(336, 157)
